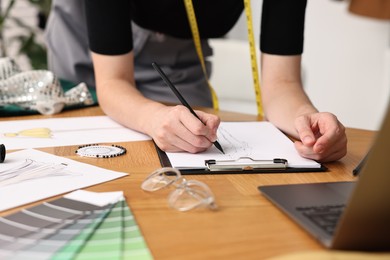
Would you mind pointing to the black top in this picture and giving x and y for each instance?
(109, 27)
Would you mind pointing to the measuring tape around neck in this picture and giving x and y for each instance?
(252, 46)
(255, 73)
(195, 35)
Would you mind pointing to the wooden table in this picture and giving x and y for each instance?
(246, 225)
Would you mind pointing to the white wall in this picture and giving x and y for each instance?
(346, 61)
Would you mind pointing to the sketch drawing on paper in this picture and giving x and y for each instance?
(41, 132)
(233, 147)
(44, 132)
(31, 170)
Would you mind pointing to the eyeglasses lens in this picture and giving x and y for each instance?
(191, 194)
(161, 178)
(187, 195)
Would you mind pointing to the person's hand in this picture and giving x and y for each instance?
(175, 129)
(322, 137)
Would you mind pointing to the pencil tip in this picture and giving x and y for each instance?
(219, 147)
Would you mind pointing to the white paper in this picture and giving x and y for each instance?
(80, 175)
(258, 140)
(99, 199)
(66, 131)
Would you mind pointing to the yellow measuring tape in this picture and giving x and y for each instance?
(195, 35)
(255, 73)
(252, 46)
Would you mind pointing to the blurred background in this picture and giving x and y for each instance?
(21, 31)
(346, 60)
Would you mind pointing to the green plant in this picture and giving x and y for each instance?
(27, 41)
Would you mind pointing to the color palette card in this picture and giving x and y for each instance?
(81, 225)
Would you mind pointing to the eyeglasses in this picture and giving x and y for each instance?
(187, 195)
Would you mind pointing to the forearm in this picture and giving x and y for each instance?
(121, 101)
(117, 94)
(283, 96)
(320, 136)
(286, 105)
(172, 128)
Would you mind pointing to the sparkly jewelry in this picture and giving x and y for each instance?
(37, 90)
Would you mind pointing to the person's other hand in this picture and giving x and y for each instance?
(322, 137)
(175, 129)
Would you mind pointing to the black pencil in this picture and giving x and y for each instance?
(180, 97)
(358, 168)
(2, 153)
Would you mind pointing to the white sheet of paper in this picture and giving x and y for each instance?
(66, 131)
(99, 199)
(81, 175)
(258, 140)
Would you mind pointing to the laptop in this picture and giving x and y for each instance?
(345, 215)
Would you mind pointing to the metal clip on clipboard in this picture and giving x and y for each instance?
(245, 164)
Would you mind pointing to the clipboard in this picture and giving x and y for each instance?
(243, 165)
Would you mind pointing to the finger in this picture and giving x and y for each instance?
(191, 142)
(331, 136)
(207, 125)
(306, 151)
(335, 153)
(210, 120)
(178, 145)
(181, 137)
(334, 157)
(305, 131)
(170, 141)
(170, 134)
(191, 130)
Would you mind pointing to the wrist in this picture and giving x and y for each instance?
(305, 110)
(148, 115)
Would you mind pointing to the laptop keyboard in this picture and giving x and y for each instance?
(325, 217)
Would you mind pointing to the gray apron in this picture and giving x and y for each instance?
(69, 57)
